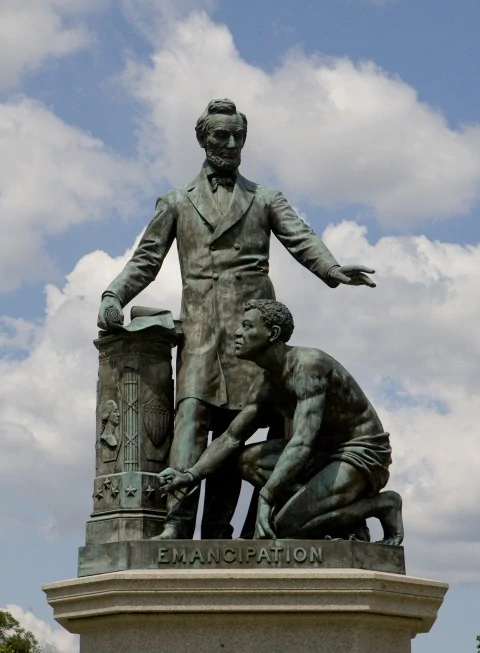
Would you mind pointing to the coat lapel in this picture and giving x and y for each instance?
(242, 197)
(200, 195)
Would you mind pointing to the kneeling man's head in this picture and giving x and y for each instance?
(265, 321)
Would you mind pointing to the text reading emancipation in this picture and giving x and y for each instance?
(273, 555)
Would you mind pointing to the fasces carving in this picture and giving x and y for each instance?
(130, 390)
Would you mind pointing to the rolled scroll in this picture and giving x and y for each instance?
(114, 316)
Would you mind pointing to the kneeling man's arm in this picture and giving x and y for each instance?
(306, 425)
(243, 426)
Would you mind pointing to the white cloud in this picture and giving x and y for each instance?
(53, 176)
(413, 344)
(16, 334)
(327, 130)
(32, 31)
(58, 638)
(154, 18)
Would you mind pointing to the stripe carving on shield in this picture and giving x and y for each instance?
(158, 422)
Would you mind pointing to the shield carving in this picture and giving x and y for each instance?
(158, 422)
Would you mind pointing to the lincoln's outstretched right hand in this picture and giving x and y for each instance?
(110, 314)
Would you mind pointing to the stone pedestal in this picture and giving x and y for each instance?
(188, 555)
(240, 611)
(135, 413)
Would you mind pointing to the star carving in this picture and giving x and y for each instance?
(99, 494)
(149, 490)
(107, 483)
(130, 490)
(115, 491)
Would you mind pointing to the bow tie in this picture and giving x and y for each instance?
(216, 180)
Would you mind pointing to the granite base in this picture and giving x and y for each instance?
(240, 611)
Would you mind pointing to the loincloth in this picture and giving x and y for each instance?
(370, 454)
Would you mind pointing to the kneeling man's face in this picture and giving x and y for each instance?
(252, 337)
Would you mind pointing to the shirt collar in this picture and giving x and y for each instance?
(210, 171)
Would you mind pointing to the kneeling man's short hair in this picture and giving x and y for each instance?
(273, 313)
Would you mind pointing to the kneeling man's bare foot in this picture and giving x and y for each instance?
(390, 515)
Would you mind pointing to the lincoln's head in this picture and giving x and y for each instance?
(221, 132)
(264, 322)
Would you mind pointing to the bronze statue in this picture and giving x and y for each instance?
(326, 479)
(222, 224)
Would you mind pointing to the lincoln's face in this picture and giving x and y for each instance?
(224, 141)
(252, 337)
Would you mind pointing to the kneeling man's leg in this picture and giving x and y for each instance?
(257, 461)
(332, 501)
(386, 507)
(315, 506)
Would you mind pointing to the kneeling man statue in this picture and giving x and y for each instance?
(325, 481)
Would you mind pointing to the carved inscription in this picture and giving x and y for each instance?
(253, 556)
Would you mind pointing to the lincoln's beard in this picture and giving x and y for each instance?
(222, 163)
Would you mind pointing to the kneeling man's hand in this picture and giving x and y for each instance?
(264, 528)
(174, 482)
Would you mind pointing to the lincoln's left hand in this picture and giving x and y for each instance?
(354, 275)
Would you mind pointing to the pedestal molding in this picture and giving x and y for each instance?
(323, 592)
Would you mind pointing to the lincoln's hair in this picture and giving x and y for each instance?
(273, 313)
(214, 107)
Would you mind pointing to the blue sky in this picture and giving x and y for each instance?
(365, 112)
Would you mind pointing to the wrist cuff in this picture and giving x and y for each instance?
(337, 265)
(196, 479)
(328, 278)
(109, 293)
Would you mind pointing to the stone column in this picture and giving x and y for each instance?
(135, 414)
(240, 611)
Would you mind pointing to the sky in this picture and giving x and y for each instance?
(365, 114)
